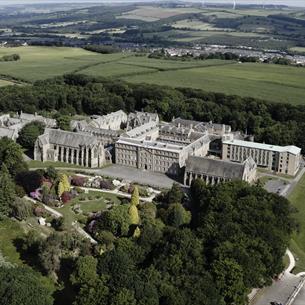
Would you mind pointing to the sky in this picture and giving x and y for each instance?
(286, 2)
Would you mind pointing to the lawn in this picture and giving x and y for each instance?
(39, 164)
(297, 245)
(92, 202)
(38, 63)
(265, 81)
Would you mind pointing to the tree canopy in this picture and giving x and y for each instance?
(21, 285)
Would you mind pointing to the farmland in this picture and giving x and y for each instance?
(46, 62)
(266, 81)
(269, 82)
(150, 13)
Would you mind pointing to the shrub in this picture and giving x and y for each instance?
(78, 181)
(29, 180)
(20, 192)
(79, 190)
(106, 184)
(66, 197)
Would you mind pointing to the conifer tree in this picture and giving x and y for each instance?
(134, 215)
(135, 198)
(7, 191)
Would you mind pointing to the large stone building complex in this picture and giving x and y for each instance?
(70, 147)
(180, 148)
(214, 171)
(161, 148)
(280, 159)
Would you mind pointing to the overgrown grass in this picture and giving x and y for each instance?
(297, 245)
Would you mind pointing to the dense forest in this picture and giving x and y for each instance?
(273, 123)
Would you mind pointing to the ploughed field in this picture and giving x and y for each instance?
(266, 81)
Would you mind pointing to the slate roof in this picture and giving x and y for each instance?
(214, 167)
(67, 138)
(6, 132)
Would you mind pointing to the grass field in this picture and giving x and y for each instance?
(46, 62)
(269, 82)
(297, 245)
(150, 13)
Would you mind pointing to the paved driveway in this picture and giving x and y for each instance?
(137, 175)
(280, 290)
(300, 300)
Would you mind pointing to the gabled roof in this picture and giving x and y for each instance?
(66, 138)
(215, 168)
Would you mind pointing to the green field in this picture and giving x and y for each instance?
(150, 13)
(270, 82)
(266, 81)
(45, 62)
(297, 245)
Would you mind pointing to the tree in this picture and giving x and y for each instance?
(84, 272)
(21, 209)
(63, 185)
(229, 281)
(29, 180)
(176, 215)
(12, 155)
(135, 198)
(63, 122)
(29, 134)
(175, 194)
(116, 220)
(124, 297)
(52, 173)
(21, 285)
(7, 192)
(95, 294)
(134, 215)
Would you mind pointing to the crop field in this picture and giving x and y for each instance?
(46, 62)
(116, 70)
(270, 82)
(150, 13)
(194, 25)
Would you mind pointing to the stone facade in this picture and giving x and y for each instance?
(157, 148)
(279, 159)
(69, 147)
(214, 171)
(112, 121)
